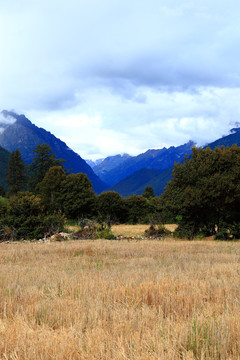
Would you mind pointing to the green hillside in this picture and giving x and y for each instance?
(136, 183)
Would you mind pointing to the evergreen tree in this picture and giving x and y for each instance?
(16, 173)
(50, 189)
(111, 207)
(148, 192)
(138, 209)
(78, 197)
(43, 160)
(2, 191)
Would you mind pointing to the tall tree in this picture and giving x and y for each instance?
(43, 160)
(50, 189)
(78, 197)
(204, 192)
(16, 173)
(111, 207)
(148, 192)
(138, 209)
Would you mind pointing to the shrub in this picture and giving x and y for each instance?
(159, 231)
(105, 234)
(91, 229)
(185, 230)
(26, 219)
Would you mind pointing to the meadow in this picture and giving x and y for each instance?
(120, 300)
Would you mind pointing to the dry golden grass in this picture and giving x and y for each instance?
(120, 300)
(129, 230)
(171, 227)
(135, 230)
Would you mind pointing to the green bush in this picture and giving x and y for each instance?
(91, 229)
(105, 234)
(222, 235)
(228, 231)
(185, 231)
(25, 218)
(157, 231)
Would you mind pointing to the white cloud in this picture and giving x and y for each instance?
(78, 121)
(7, 120)
(163, 120)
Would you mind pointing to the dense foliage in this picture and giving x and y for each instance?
(204, 193)
(43, 160)
(23, 217)
(111, 207)
(16, 173)
(203, 197)
(50, 189)
(78, 196)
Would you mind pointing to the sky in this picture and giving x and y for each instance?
(122, 76)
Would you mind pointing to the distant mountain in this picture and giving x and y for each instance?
(152, 159)
(125, 174)
(136, 183)
(19, 133)
(158, 179)
(93, 163)
(234, 130)
(228, 140)
(102, 167)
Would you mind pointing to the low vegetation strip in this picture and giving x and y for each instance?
(120, 300)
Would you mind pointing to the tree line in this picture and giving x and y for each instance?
(203, 196)
(43, 194)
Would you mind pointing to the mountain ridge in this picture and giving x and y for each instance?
(124, 173)
(159, 159)
(130, 185)
(25, 136)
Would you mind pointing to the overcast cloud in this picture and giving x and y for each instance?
(115, 76)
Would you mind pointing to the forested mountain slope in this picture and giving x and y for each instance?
(136, 183)
(25, 136)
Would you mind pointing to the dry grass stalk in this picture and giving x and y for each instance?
(120, 300)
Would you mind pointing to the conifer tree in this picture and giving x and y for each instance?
(111, 207)
(16, 173)
(148, 192)
(43, 160)
(50, 188)
(78, 197)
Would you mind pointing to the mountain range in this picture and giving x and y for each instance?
(152, 159)
(152, 168)
(103, 167)
(19, 133)
(136, 183)
(125, 174)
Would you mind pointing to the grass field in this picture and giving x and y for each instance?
(120, 300)
(135, 230)
(127, 230)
